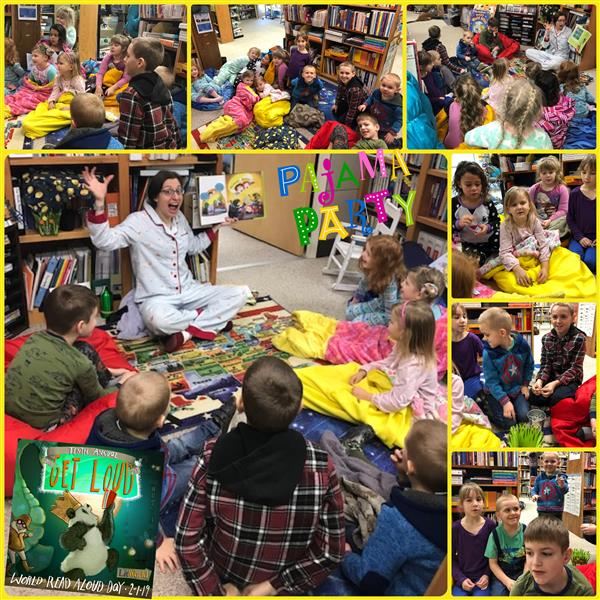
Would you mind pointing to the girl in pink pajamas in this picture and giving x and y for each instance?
(159, 237)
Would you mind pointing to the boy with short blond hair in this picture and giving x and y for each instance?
(54, 376)
(87, 131)
(505, 548)
(548, 554)
(385, 104)
(550, 487)
(146, 107)
(265, 480)
(507, 368)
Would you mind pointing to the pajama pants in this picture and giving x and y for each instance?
(560, 393)
(165, 315)
(327, 391)
(549, 62)
(43, 120)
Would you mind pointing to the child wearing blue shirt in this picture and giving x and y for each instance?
(466, 52)
(550, 487)
(306, 89)
(507, 368)
(385, 104)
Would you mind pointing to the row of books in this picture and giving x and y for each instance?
(589, 499)
(300, 13)
(485, 459)
(433, 245)
(364, 58)
(44, 271)
(162, 11)
(589, 479)
(590, 461)
(381, 23)
(329, 67)
(200, 266)
(370, 43)
(439, 161)
(439, 200)
(488, 497)
(352, 20)
(504, 477)
(522, 320)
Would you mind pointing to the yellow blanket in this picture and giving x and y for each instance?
(568, 277)
(327, 391)
(44, 120)
(110, 78)
(309, 336)
(474, 437)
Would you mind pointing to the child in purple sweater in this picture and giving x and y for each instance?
(466, 347)
(470, 568)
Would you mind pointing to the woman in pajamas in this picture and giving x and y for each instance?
(555, 42)
(159, 237)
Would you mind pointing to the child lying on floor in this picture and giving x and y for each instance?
(204, 89)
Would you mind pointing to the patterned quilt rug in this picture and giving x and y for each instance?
(204, 374)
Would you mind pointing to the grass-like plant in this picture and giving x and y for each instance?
(580, 557)
(524, 435)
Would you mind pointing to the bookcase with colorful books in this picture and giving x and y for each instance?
(365, 35)
(69, 257)
(496, 473)
(580, 502)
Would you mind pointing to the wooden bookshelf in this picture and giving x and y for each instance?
(581, 468)
(152, 15)
(15, 301)
(372, 60)
(205, 47)
(123, 169)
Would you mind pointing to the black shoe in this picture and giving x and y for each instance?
(222, 416)
(356, 437)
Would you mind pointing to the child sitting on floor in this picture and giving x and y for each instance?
(508, 387)
(409, 541)
(406, 378)
(279, 61)
(466, 349)
(146, 107)
(466, 112)
(262, 88)
(230, 70)
(69, 79)
(385, 104)
(368, 127)
(141, 409)
(498, 85)
(115, 59)
(505, 547)
(520, 222)
(54, 375)
(516, 126)
(581, 214)
(435, 94)
(424, 283)
(382, 265)
(433, 42)
(546, 542)
(568, 75)
(307, 87)
(87, 132)
(13, 71)
(550, 195)
(273, 476)
(204, 89)
(65, 16)
(563, 352)
(550, 487)
(57, 41)
(42, 70)
(443, 75)
(467, 58)
(471, 574)
(351, 93)
(558, 109)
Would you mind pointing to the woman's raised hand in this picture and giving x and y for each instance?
(97, 187)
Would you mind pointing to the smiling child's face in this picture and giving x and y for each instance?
(368, 130)
(345, 74)
(388, 88)
(309, 74)
(467, 37)
(195, 73)
(253, 55)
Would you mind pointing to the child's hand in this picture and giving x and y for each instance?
(52, 104)
(467, 585)
(561, 481)
(231, 590)
(465, 221)
(537, 386)
(347, 548)
(535, 498)
(358, 376)
(389, 137)
(588, 528)
(545, 223)
(111, 90)
(334, 108)
(549, 388)
(508, 410)
(166, 557)
(480, 230)
(264, 588)
(467, 58)
(543, 274)
(525, 392)
(586, 242)
(522, 277)
(98, 91)
(483, 582)
(362, 107)
(509, 584)
(362, 394)
(118, 372)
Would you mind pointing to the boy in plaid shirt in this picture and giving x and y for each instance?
(263, 513)
(563, 351)
(146, 106)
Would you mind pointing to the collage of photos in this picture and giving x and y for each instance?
(299, 300)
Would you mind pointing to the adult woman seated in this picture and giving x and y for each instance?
(171, 301)
(491, 44)
(554, 44)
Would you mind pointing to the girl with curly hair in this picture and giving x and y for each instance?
(466, 112)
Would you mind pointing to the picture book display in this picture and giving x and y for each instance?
(238, 196)
(84, 519)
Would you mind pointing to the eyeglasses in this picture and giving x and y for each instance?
(172, 192)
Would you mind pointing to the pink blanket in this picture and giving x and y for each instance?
(355, 341)
(27, 98)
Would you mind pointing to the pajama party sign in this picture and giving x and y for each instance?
(84, 519)
(239, 196)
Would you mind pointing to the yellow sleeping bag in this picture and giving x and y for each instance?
(327, 391)
(110, 78)
(309, 336)
(270, 114)
(220, 127)
(469, 436)
(42, 120)
(568, 277)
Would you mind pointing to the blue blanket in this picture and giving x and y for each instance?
(582, 133)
